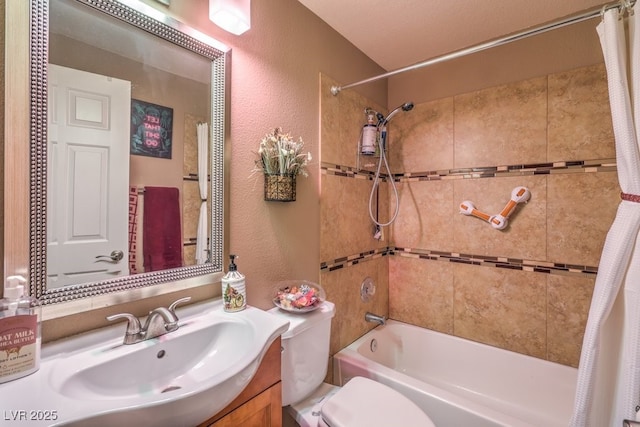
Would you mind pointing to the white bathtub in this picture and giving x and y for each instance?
(458, 382)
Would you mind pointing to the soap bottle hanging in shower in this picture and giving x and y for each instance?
(369, 135)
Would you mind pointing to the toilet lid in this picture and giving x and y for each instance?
(365, 403)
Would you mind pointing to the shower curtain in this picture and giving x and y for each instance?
(203, 153)
(608, 388)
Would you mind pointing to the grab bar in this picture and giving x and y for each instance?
(630, 423)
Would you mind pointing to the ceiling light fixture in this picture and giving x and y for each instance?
(233, 16)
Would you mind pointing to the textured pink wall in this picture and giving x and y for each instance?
(275, 80)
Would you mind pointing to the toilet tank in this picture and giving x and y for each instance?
(305, 351)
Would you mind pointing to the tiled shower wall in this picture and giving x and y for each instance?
(348, 251)
(526, 288)
(191, 199)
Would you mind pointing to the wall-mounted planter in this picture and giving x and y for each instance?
(280, 187)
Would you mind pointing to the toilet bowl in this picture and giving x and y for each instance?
(361, 402)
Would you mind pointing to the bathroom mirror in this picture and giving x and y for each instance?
(125, 70)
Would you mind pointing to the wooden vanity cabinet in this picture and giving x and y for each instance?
(260, 403)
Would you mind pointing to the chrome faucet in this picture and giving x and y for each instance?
(374, 318)
(160, 321)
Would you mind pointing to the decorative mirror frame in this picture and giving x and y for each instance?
(172, 31)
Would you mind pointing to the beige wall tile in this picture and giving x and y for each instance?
(190, 209)
(382, 266)
(504, 125)
(330, 132)
(581, 208)
(579, 115)
(189, 255)
(190, 216)
(190, 190)
(568, 302)
(565, 221)
(343, 288)
(190, 164)
(422, 293)
(345, 227)
(424, 218)
(524, 237)
(500, 307)
(422, 139)
(386, 203)
(342, 118)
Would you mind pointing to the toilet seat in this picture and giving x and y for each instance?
(307, 412)
(366, 403)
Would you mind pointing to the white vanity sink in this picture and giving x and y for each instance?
(195, 353)
(178, 379)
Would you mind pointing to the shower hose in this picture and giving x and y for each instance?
(376, 183)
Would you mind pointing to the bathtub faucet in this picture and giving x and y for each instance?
(374, 318)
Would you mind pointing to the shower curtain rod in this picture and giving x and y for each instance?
(574, 19)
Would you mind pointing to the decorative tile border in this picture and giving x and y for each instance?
(353, 259)
(346, 171)
(576, 166)
(497, 262)
(479, 260)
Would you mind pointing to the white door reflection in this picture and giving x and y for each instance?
(87, 215)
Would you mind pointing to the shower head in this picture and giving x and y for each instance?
(407, 106)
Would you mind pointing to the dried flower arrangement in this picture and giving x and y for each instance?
(280, 154)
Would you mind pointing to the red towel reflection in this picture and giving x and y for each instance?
(162, 231)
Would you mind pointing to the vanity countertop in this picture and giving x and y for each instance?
(183, 376)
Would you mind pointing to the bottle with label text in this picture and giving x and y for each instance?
(369, 137)
(19, 331)
(234, 291)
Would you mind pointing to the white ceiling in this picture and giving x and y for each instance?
(398, 33)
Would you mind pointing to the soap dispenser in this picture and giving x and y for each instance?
(234, 291)
(19, 331)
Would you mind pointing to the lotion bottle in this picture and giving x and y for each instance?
(234, 291)
(19, 331)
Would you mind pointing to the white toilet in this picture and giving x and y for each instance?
(359, 403)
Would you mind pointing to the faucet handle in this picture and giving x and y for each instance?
(172, 307)
(133, 327)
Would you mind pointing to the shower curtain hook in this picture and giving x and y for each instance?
(626, 7)
(622, 9)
